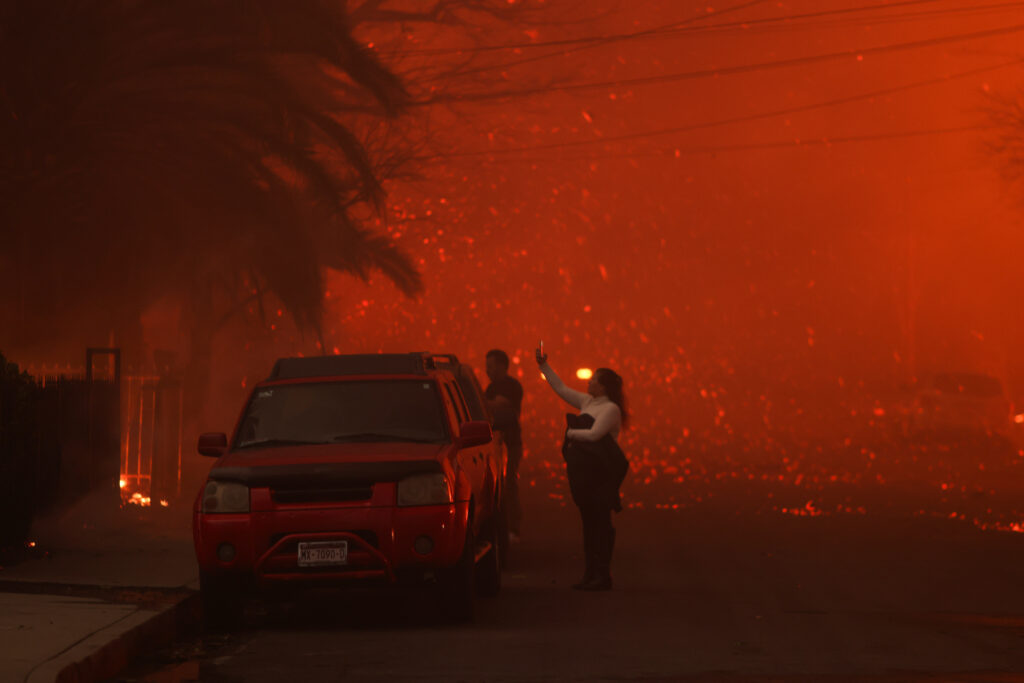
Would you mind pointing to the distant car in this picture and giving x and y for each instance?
(962, 403)
(348, 469)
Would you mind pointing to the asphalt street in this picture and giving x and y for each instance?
(702, 593)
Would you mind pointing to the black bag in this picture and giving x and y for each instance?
(596, 469)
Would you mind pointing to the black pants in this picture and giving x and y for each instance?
(512, 505)
(598, 540)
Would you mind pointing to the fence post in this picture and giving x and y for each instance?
(112, 431)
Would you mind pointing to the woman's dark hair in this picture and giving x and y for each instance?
(612, 383)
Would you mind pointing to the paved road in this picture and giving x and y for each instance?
(700, 592)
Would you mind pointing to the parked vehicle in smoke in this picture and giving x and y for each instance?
(962, 403)
(354, 468)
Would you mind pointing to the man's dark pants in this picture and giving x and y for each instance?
(513, 508)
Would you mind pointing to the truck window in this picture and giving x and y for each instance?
(471, 393)
(455, 403)
(336, 412)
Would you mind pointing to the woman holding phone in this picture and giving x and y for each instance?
(594, 463)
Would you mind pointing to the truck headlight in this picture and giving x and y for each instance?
(424, 489)
(225, 496)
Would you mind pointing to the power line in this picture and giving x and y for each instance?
(744, 27)
(761, 146)
(607, 37)
(640, 135)
(592, 44)
(826, 141)
(685, 26)
(727, 71)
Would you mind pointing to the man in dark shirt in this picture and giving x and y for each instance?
(505, 399)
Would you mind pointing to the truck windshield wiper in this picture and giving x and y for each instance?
(377, 436)
(279, 442)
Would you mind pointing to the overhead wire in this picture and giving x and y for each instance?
(795, 143)
(683, 26)
(601, 38)
(658, 132)
(857, 53)
(746, 27)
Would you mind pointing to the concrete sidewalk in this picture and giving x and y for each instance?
(100, 586)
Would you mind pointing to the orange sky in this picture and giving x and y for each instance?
(774, 271)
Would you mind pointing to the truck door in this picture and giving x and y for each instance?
(473, 461)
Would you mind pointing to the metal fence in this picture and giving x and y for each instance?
(131, 436)
(151, 439)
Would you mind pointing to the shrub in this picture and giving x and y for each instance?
(19, 431)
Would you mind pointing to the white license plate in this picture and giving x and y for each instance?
(323, 553)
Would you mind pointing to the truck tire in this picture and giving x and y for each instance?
(458, 585)
(503, 539)
(488, 569)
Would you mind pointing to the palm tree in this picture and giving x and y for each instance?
(213, 150)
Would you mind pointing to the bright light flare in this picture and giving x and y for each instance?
(1019, 419)
(123, 483)
(584, 373)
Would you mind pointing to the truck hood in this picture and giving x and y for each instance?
(329, 463)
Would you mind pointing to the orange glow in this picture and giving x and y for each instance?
(767, 337)
(139, 499)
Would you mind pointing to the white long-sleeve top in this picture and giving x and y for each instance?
(607, 416)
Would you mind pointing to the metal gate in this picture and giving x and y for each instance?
(151, 439)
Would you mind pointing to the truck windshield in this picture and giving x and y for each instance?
(339, 412)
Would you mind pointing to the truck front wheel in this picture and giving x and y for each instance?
(458, 585)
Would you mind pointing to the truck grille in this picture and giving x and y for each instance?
(324, 495)
(291, 548)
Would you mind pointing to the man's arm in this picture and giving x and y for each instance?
(502, 412)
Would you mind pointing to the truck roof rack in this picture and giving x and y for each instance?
(351, 364)
(416, 363)
(443, 360)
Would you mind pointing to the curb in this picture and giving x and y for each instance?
(111, 649)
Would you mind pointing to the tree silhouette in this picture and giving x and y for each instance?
(208, 149)
(220, 152)
(1007, 143)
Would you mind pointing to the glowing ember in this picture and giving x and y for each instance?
(139, 499)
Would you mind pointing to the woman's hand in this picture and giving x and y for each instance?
(542, 357)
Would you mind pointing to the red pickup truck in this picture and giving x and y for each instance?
(354, 468)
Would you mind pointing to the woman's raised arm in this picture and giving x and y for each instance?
(570, 396)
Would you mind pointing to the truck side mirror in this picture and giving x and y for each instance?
(474, 433)
(213, 444)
